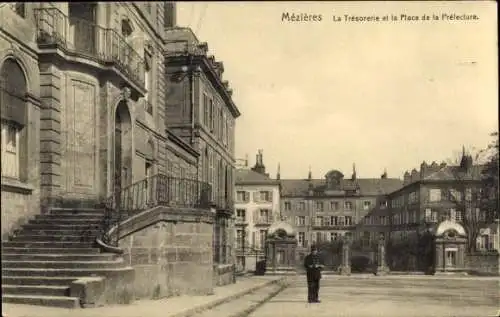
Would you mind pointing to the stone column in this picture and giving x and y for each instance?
(345, 267)
(382, 268)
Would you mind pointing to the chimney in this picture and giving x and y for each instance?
(259, 164)
(246, 160)
(353, 177)
(423, 170)
(278, 174)
(406, 178)
(384, 176)
(309, 175)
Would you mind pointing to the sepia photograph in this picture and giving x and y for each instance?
(249, 159)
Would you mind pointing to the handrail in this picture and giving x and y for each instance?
(88, 39)
(154, 191)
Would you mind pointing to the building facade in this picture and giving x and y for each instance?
(200, 111)
(257, 207)
(433, 201)
(83, 103)
(326, 209)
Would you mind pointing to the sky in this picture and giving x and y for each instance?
(382, 95)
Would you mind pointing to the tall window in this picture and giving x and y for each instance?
(263, 238)
(301, 220)
(10, 150)
(301, 239)
(266, 196)
(264, 216)
(302, 206)
(211, 114)
(241, 215)
(206, 111)
(288, 205)
(148, 82)
(348, 220)
(334, 205)
(242, 196)
(239, 238)
(348, 205)
(319, 205)
(341, 221)
(434, 194)
(13, 117)
(333, 220)
(367, 204)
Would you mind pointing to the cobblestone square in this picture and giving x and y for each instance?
(375, 296)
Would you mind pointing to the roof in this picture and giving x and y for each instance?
(367, 186)
(455, 173)
(249, 177)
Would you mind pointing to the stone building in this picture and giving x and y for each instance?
(325, 209)
(200, 111)
(257, 207)
(430, 219)
(87, 112)
(94, 76)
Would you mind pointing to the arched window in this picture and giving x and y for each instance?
(13, 116)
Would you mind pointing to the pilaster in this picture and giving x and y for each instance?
(50, 135)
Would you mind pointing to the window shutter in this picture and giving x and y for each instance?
(247, 197)
(270, 196)
(255, 216)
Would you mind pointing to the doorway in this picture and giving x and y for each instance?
(122, 149)
(451, 258)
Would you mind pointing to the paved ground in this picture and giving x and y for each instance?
(168, 307)
(388, 297)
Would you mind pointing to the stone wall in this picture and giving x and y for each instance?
(20, 197)
(483, 263)
(224, 274)
(171, 252)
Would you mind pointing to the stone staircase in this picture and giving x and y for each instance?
(41, 261)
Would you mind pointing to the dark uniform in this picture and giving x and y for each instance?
(312, 264)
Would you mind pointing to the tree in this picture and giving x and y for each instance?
(489, 179)
(473, 191)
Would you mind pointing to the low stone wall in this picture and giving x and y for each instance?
(224, 274)
(171, 252)
(483, 263)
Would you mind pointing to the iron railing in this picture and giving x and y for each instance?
(88, 40)
(263, 220)
(158, 190)
(224, 203)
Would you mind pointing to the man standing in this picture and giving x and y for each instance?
(313, 266)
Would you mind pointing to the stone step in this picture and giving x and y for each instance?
(58, 226)
(39, 280)
(44, 290)
(76, 211)
(47, 244)
(54, 301)
(68, 232)
(88, 272)
(21, 250)
(59, 257)
(55, 238)
(8, 264)
(79, 216)
(66, 221)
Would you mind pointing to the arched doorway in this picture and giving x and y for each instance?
(13, 88)
(122, 169)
